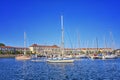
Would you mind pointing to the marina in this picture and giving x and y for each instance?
(60, 40)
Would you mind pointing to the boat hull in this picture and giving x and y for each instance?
(60, 61)
(110, 57)
(96, 57)
(22, 58)
(81, 56)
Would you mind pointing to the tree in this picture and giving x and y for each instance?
(82, 52)
(17, 52)
(0, 51)
(1, 44)
(98, 52)
(114, 51)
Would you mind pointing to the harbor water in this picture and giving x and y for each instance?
(83, 69)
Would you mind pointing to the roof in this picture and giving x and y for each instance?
(6, 47)
(13, 47)
(34, 45)
(45, 46)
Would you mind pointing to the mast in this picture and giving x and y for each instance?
(112, 41)
(87, 48)
(105, 44)
(93, 46)
(62, 38)
(97, 43)
(79, 49)
(24, 43)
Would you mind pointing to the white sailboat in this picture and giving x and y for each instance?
(61, 59)
(24, 56)
(110, 56)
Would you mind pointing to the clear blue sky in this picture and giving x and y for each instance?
(40, 19)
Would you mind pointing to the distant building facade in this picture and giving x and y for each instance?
(10, 49)
(44, 49)
(54, 49)
(6, 49)
(93, 50)
(117, 52)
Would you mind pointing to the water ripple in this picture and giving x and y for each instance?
(85, 69)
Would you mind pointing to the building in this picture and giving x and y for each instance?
(44, 49)
(6, 49)
(10, 49)
(117, 51)
(54, 49)
(93, 50)
(48, 50)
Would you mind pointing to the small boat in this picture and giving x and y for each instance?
(95, 56)
(109, 56)
(22, 57)
(69, 56)
(81, 56)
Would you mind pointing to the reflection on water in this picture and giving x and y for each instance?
(84, 69)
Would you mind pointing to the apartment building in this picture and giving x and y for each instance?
(44, 49)
(11, 49)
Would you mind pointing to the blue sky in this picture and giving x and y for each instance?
(40, 19)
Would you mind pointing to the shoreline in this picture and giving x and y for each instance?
(7, 56)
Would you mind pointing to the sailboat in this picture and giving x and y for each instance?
(24, 56)
(95, 55)
(61, 59)
(110, 55)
